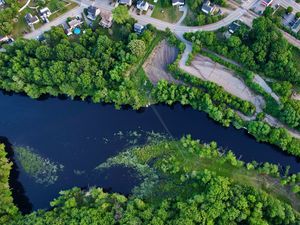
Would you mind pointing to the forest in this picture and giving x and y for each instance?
(93, 66)
(188, 183)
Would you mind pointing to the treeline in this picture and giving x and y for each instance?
(196, 191)
(262, 49)
(93, 66)
(7, 208)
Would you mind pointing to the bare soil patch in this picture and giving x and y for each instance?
(156, 66)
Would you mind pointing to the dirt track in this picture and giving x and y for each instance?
(156, 65)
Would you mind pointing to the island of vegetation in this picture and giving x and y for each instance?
(183, 182)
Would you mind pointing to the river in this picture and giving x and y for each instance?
(81, 135)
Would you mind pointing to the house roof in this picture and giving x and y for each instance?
(92, 10)
(142, 5)
(44, 10)
(31, 19)
(74, 22)
(177, 1)
(125, 2)
(106, 15)
(296, 26)
(207, 7)
(233, 27)
(138, 27)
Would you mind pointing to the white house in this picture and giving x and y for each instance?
(142, 5)
(125, 2)
(177, 2)
(208, 7)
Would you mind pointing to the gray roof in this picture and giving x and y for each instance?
(177, 1)
(296, 26)
(138, 27)
(233, 27)
(31, 19)
(207, 6)
(125, 2)
(92, 10)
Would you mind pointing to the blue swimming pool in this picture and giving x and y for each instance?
(77, 31)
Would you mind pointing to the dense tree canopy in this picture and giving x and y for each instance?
(93, 66)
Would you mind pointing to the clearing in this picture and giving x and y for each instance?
(156, 65)
(206, 69)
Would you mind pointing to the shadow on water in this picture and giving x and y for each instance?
(18, 192)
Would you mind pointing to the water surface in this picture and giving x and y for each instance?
(80, 136)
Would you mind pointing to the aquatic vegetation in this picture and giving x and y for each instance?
(79, 172)
(145, 172)
(42, 170)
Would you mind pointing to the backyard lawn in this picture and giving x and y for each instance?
(167, 13)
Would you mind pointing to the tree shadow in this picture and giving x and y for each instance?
(18, 191)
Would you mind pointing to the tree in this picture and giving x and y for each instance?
(297, 15)
(120, 14)
(137, 47)
(289, 9)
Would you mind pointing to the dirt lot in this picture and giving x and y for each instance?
(156, 65)
(207, 69)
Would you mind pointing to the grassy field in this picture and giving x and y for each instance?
(62, 11)
(296, 56)
(166, 13)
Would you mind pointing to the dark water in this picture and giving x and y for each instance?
(75, 134)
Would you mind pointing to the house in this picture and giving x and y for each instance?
(106, 19)
(4, 38)
(266, 2)
(31, 19)
(233, 27)
(177, 2)
(74, 23)
(296, 26)
(142, 5)
(125, 2)
(93, 12)
(45, 12)
(138, 28)
(208, 7)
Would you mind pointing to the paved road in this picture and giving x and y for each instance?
(74, 12)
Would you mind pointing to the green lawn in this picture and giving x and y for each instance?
(62, 11)
(21, 26)
(169, 13)
(296, 56)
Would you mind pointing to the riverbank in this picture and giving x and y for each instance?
(180, 177)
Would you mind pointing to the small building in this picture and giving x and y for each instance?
(93, 12)
(106, 19)
(125, 2)
(138, 28)
(296, 27)
(74, 23)
(208, 8)
(4, 38)
(233, 27)
(266, 3)
(2, 2)
(45, 12)
(31, 19)
(142, 5)
(177, 2)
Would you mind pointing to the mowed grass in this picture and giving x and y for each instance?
(296, 57)
(63, 11)
(168, 13)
